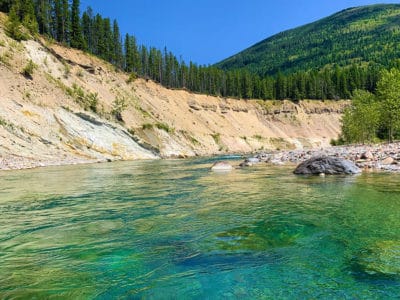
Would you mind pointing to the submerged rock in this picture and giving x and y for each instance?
(221, 166)
(245, 164)
(250, 162)
(382, 259)
(327, 165)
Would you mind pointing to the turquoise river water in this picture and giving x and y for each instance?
(175, 230)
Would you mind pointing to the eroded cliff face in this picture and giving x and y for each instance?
(206, 125)
(76, 108)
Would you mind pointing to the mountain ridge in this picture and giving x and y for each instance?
(355, 31)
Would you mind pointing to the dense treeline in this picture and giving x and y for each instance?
(62, 21)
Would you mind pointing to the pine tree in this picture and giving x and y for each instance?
(87, 29)
(59, 20)
(66, 22)
(117, 46)
(14, 27)
(43, 16)
(76, 30)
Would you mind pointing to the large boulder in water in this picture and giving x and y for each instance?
(221, 166)
(326, 165)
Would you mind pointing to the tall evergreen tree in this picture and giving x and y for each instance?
(59, 20)
(87, 29)
(66, 22)
(117, 45)
(13, 25)
(43, 11)
(77, 40)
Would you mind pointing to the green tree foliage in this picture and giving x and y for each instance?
(371, 116)
(21, 13)
(28, 17)
(319, 79)
(14, 26)
(77, 40)
(388, 92)
(352, 36)
(43, 11)
(360, 121)
(117, 55)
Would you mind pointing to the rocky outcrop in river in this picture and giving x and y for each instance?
(326, 165)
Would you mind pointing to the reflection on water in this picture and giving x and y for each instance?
(173, 229)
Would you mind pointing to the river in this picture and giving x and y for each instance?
(171, 229)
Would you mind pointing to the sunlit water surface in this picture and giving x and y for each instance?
(173, 229)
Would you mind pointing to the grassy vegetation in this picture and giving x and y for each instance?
(188, 136)
(29, 69)
(147, 126)
(10, 126)
(5, 58)
(88, 101)
(118, 106)
(217, 138)
(165, 127)
(132, 77)
(257, 137)
(67, 70)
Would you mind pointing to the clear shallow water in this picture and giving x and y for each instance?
(172, 229)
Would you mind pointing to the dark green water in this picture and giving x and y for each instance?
(174, 230)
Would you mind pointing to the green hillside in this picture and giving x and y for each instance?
(352, 36)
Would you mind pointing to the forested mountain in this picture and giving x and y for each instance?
(328, 59)
(368, 34)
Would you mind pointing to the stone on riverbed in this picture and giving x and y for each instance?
(383, 258)
(250, 162)
(221, 166)
(327, 165)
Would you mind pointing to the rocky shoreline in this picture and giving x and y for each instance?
(14, 162)
(384, 157)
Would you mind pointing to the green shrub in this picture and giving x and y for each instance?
(67, 70)
(165, 127)
(217, 138)
(91, 101)
(88, 101)
(14, 27)
(147, 126)
(118, 106)
(5, 59)
(28, 69)
(132, 77)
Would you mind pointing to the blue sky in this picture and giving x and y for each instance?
(207, 31)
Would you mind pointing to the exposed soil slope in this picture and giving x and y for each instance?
(43, 120)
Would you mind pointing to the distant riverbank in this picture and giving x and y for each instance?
(384, 157)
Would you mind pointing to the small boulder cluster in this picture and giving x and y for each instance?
(351, 159)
